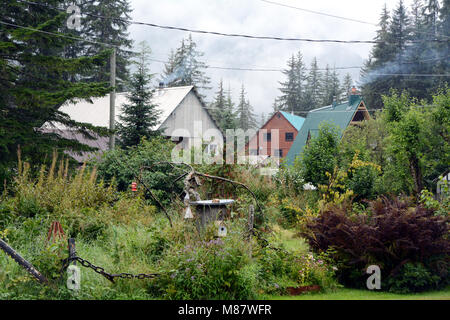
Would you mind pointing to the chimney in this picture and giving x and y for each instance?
(161, 85)
(354, 95)
(333, 105)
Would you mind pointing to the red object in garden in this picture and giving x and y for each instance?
(55, 231)
(133, 186)
(296, 291)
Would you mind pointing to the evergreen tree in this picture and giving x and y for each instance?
(400, 30)
(184, 67)
(346, 87)
(400, 34)
(313, 85)
(113, 31)
(382, 52)
(300, 77)
(289, 98)
(431, 16)
(218, 105)
(245, 115)
(292, 89)
(140, 115)
(34, 84)
(229, 117)
(222, 109)
(336, 89)
(326, 97)
(443, 64)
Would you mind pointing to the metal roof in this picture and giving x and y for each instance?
(339, 115)
(97, 113)
(296, 121)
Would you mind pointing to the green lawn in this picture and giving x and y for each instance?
(354, 294)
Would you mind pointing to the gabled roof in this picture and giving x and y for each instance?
(296, 121)
(97, 113)
(339, 115)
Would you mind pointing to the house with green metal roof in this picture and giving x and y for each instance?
(342, 115)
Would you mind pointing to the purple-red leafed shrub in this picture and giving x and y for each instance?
(392, 235)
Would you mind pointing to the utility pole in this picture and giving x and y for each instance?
(112, 99)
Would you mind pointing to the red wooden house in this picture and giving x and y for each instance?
(276, 136)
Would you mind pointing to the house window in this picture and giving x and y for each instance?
(253, 152)
(289, 136)
(278, 153)
(267, 137)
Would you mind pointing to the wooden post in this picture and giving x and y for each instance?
(72, 251)
(112, 99)
(73, 272)
(22, 262)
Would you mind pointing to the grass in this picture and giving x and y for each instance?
(289, 239)
(356, 294)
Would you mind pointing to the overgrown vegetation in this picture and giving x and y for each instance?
(365, 210)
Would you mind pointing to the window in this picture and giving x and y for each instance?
(278, 153)
(267, 137)
(289, 136)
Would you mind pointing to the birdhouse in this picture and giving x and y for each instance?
(221, 229)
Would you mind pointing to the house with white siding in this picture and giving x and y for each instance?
(184, 119)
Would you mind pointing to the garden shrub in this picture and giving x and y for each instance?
(205, 270)
(122, 166)
(320, 155)
(412, 277)
(392, 235)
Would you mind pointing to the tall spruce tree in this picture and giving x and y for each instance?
(443, 64)
(313, 85)
(112, 31)
(381, 54)
(292, 89)
(218, 105)
(185, 68)
(140, 116)
(244, 113)
(222, 109)
(346, 86)
(229, 118)
(300, 75)
(36, 79)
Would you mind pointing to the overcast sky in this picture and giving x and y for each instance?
(256, 17)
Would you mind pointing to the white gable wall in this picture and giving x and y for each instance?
(190, 117)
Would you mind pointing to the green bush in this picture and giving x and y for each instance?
(413, 277)
(122, 166)
(319, 156)
(205, 270)
(362, 182)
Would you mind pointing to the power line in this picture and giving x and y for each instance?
(154, 25)
(342, 18)
(62, 35)
(317, 12)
